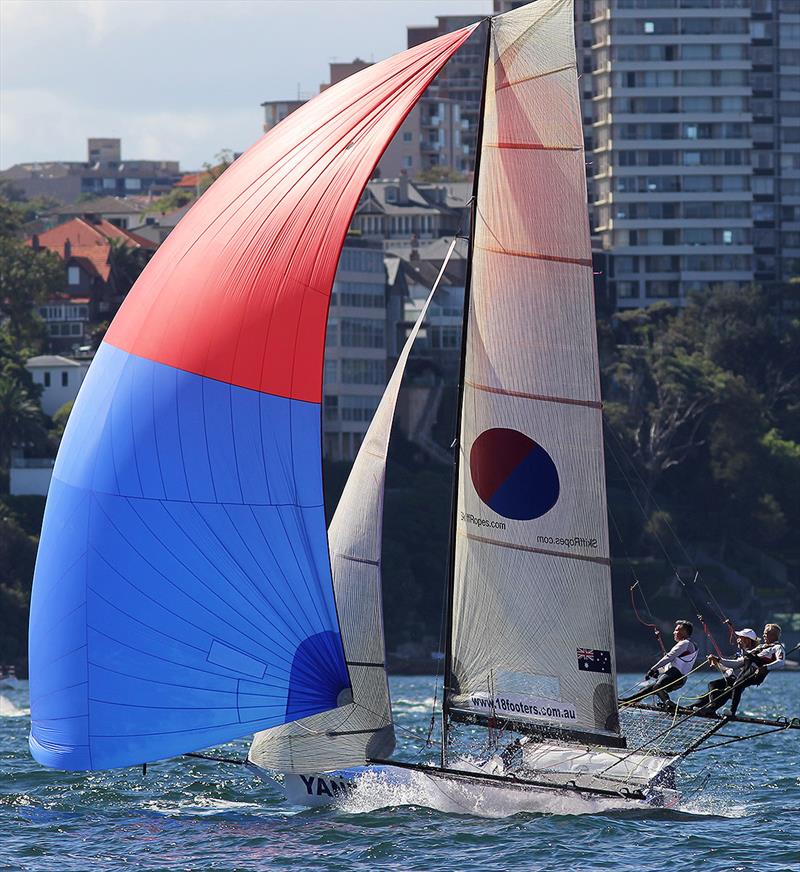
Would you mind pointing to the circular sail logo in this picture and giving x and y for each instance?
(513, 475)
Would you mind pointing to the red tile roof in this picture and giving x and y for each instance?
(90, 242)
(190, 180)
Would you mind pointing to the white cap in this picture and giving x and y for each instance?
(748, 634)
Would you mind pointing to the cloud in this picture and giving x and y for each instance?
(70, 70)
(41, 126)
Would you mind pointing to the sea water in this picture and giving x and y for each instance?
(741, 811)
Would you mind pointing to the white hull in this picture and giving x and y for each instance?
(369, 788)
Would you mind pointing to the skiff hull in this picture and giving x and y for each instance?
(371, 787)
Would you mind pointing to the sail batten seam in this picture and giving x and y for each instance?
(533, 255)
(604, 561)
(506, 392)
(503, 85)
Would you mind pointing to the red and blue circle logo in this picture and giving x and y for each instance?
(513, 475)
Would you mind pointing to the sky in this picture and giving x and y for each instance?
(178, 79)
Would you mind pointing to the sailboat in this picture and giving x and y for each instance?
(186, 591)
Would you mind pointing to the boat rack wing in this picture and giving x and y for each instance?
(783, 721)
(683, 731)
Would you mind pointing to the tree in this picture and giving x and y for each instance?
(741, 332)
(224, 159)
(127, 262)
(175, 199)
(28, 278)
(21, 418)
(663, 400)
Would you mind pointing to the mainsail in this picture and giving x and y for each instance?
(182, 594)
(531, 624)
(361, 730)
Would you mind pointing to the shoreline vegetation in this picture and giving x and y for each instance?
(702, 450)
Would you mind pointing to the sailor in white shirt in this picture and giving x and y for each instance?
(670, 672)
(733, 669)
(751, 667)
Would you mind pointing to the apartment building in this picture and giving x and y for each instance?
(696, 164)
(104, 173)
(451, 105)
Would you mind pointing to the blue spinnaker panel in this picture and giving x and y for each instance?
(182, 595)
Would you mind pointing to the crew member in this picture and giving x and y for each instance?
(671, 670)
(721, 689)
(762, 659)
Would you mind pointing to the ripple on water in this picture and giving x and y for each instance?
(194, 814)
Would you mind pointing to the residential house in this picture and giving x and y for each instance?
(157, 226)
(397, 210)
(122, 212)
(60, 378)
(414, 270)
(92, 292)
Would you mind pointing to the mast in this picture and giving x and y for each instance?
(448, 662)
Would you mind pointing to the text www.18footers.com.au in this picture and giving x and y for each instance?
(538, 709)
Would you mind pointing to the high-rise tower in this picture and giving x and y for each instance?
(697, 143)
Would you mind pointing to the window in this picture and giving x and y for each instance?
(730, 78)
(627, 290)
(698, 235)
(408, 136)
(133, 184)
(357, 408)
(363, 372)
(696, 52)
(331, 405)
(696, 78)
(73, 275)
(64, 379)
(445, 337)
(661, 289)
(362, 333)
(332, 333)
(408, 162)
(368, 295)
(649, 27)
(696, 104)
(727, 237)
(626, 264)
(761, 30)
(734, 183)
(762, 184)
(110, 184)
(331, 371)
(732, 104)
(763, 212)
(698, 183)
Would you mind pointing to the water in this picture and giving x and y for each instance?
(192, 814)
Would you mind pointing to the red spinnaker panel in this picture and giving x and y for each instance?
(239, 291)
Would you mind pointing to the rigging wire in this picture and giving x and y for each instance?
(654, 626)
(709, 635)
(712, 601)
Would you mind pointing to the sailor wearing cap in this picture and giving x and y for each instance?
(733, 670)
(748, 669)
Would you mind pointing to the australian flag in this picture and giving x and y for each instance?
(592, 660)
